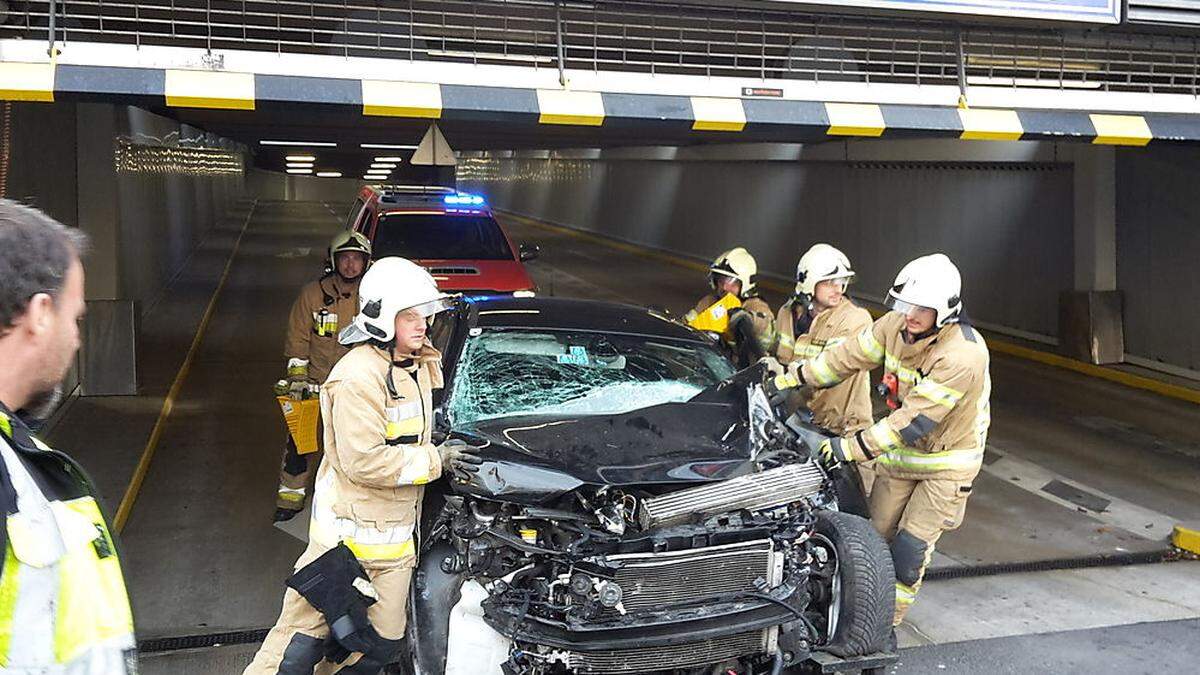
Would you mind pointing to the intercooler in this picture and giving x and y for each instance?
(757, 491)
(656, 580)
(648, 659)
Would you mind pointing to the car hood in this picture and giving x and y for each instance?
(533, 459)
(503, 276)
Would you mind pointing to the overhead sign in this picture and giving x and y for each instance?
(1092, 11)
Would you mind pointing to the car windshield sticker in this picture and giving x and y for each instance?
(575, 356)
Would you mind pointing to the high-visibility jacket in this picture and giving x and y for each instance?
(941, 426)
(378, 455)
(846, 406)
(63, 605)
(323, 308)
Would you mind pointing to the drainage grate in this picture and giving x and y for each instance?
(170, 644)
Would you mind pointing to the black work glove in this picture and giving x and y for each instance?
(459, 459)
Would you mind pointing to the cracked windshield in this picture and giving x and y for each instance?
(504, 373)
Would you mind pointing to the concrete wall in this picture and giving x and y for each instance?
(1008, 225)
(41, 169)
(144, 220)
(1158, 253)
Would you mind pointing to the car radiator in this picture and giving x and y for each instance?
(757, 491)
(648, 659)
(651, 581)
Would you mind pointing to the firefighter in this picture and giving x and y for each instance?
(928, 451)
(346, 602)
(734, 309)
(63, 604)
(818, 317)
(323, 307)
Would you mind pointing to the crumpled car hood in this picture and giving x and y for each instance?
(536, 458)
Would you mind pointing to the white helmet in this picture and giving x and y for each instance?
(390, 286)
(820, 263)
(929, 281)
(736, 263)
(349, 240)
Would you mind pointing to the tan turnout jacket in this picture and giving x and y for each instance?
(940, 429)
(323, 308)
(378, 454)
(845, 407)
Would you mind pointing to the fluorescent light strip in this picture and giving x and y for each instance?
(385, 146)
(301, 158)
(302, 144)
(299, 165)
(389, 159)
(299, 170)
(329, 174)
(383, 165)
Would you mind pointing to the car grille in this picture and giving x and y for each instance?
(648, 659)
(652, 580)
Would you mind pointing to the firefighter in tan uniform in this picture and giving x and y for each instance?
(928, 451)
(734, 309)
(820, 316)
(322, 309)
(346, 602)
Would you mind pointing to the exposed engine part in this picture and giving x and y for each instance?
(754, 492)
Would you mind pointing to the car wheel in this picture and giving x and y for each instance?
(861, 591)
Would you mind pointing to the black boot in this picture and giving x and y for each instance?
(284, 515)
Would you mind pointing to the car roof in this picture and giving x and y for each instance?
(399, 198)
(574, 314)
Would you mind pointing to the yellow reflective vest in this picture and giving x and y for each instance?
(63, 605)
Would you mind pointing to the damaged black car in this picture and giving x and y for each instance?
(641, 508)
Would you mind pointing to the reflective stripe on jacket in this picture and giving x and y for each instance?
(844, 407)
(323, 308)
(64, 609)
(378, 455)
(940, 429)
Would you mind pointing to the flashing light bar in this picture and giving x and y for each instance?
(463, 199)
(301, 158)
(303, 144)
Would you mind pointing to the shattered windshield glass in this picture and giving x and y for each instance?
(503, 373)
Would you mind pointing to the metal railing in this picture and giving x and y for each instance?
(641, 37)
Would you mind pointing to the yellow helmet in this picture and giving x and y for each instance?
(738, 264)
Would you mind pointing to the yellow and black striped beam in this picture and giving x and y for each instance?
(665, 116)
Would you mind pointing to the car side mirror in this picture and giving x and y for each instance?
(529, 252)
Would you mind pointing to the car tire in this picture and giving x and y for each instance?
(868, 585)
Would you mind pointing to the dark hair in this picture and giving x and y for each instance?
(35, 253)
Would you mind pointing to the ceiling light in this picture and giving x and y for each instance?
(301, 158)
(379, 172)
(310, 144)
(385, 146)
(329, 174)
(299, 170)
(383, 165)
(300, 165)
(389, 159)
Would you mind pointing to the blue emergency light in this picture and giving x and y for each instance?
(463, 199)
